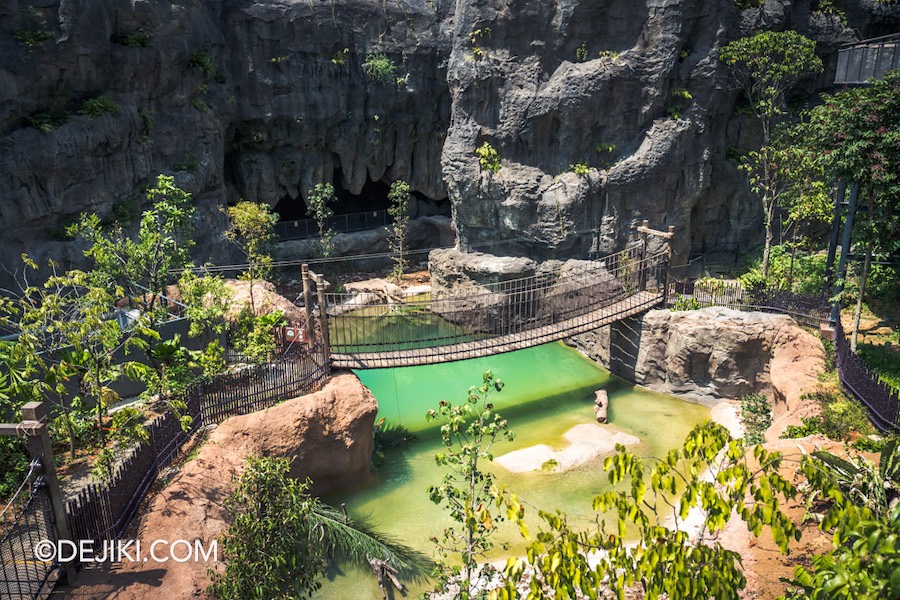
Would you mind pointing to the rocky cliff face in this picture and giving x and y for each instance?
(263, 99)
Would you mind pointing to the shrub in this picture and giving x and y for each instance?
(840, 415)
(34, 30)
(580, 169)
(202, 60)
(683, 303)
(581, 54)
(488, 158)
(379, 67)
(808, 426)
(101, 105)
(133, 38)
(756, 417)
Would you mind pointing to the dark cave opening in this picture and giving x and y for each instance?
(373, 197)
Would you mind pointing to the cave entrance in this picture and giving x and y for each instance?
(352, 212)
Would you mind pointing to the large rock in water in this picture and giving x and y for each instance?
(716, 353)
(263, 99)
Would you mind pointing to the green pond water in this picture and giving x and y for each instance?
(549, 390)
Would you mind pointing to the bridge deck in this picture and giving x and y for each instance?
(627, 307)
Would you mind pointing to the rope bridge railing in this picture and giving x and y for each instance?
(511, 311)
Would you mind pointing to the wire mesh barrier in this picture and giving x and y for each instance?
(882, 401)
(809, 310)
(24, 522)
(308, 228)
(373, 329)
(103, 511)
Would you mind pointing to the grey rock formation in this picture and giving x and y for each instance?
(703, 354)
(262, 99)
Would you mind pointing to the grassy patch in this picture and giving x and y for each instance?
(884, 360)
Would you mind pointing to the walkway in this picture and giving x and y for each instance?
(631, 305)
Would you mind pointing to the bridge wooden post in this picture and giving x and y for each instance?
(643, 273)
(323, 316)
(307, 304)
(671, 241)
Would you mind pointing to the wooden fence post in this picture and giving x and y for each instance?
(643, 273)
(34, 424)
(323, 316)
(307, 305)
(671, 242)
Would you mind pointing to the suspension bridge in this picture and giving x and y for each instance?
(372, 329)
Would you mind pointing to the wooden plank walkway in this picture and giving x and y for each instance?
(632, 305)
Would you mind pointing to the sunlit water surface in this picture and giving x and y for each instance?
(549, 390)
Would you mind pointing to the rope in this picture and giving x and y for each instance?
(34, 464)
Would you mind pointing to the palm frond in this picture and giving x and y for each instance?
(355, 540)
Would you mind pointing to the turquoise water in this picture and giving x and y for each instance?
(549, 389)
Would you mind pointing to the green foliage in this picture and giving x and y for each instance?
(756, 417)
(488, 158)
(744, 4)
(251, 228)
(56, 114)
(340, 57)
(33, 31)
(281, 539)
(682, 94)
(470, 493)
(126, 427)
(202, 60)
(580, 168)
(200, 104)
(827, 7)
(208, 300)
(766, 66)
(884, 361)
(101, 105)
(387, 437)
(189, 164)
(253, 336)
(379, 67)
(399, 212)
(581, 54)
(683, 303)
(13, 465)
(611, 54)
(840, 417)
(807, 276)
(134, 38)
(318, 206)
(142, 264)
(664, 561)
(864, 523)
(479, 53)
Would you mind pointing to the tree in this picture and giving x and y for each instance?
(665, 560)
(207, 302)
(399, 212)
(857, 133)
(318, 203)
(144, 264)
(251, 229)
(863, 518)
(468, 491)
(766, 66)
(66, 331)
(281, 538)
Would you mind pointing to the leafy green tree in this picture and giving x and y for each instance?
(208, 300)
(863, 518)
(252, 335)
(318, 204)
(65, 327)
(665, 560)
(251, 229)
(281, 538)
(488, 158)
(766, 66)
(399, 212)
(468, 491)
(142, 265)
(857, 133)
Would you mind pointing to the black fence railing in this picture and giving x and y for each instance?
(809, 310)
(103, 511)
(366, 322)
(869, 59)
(308, 228)
(24, 523)
(882, 401)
